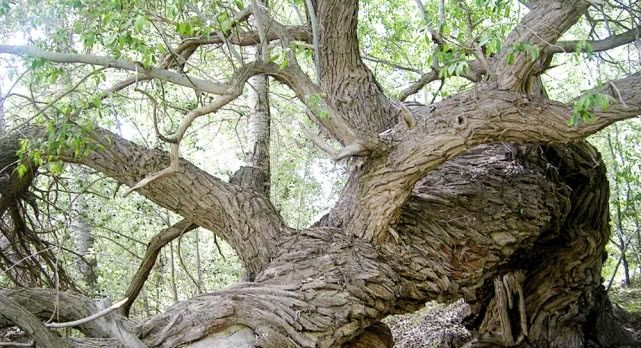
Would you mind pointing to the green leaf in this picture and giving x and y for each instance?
(37, 63)
(184, 28)
(56, 167)
(22, 169)
(4, 7)
(139, 23)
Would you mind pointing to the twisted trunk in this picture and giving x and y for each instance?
(517, 231)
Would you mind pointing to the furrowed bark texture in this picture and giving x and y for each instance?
(226, 209)
(354, 91)
(477, 229)
(483, 216)
(432, 212)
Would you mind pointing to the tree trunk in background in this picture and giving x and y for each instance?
(86, 261)
(2, 119)
(631, 202)
(618, 223)
(257, 174)
(174, 287)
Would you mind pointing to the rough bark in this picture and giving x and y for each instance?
(369, 204)
(430, 212)
(557, 296)
(470, 238)
(354, 91)
(30, 324)
(227, 209)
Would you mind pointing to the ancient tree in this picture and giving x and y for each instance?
(490, 195)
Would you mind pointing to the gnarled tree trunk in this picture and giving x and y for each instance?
(447, 201)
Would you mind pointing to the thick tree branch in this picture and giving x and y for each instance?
(245, 219)
(252, 38)
(30, 324)
(455, 125)
(559, 47)
(598, 45)
(418, 85)
(349, 84)
(46, 304)
(539, 29)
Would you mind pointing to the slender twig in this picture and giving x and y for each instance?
(94, 316)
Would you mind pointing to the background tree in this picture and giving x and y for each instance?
(447, 196)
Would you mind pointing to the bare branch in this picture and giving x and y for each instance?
(160, 74)
(418, 85)
(92, 317)
(598, 45)
(153, 249)
(174, 153)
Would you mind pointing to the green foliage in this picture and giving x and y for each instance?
(317, 105)
(586, 105)
(5, 6)
(628, 298)
(529, 50)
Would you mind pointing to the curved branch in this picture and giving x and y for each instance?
(44, 304)
(452, 127)
(153, 249)
(87, 319)
(418, 85)
(174, 153)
